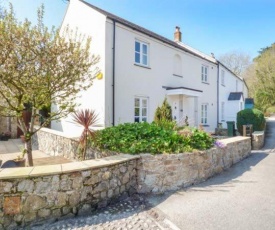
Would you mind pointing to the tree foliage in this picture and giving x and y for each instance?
(40, 67)
(236, 61)
(264, 84)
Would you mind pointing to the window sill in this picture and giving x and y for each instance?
(205, 125)
(143, 66)
(176, 75)
(207, 83)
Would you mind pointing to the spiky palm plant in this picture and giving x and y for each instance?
(86, 118)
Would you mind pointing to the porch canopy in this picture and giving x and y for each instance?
(183, 91)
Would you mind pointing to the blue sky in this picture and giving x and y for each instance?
(217, 26)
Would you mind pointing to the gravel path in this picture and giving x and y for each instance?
(132, 213)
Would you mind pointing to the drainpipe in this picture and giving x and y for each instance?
(114, 62)
(218, 94)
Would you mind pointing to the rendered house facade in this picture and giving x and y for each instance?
(141, 68)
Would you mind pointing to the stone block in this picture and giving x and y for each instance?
(5, 187)
(56, 213)
(126, 178)
(61, 199)
(92, 180)
(33, 203)
(25, 186)
(12, 205)
(42, 213)
(66, 210)
(74, 198)
(30, 216)
(77, 183)
(106, 175)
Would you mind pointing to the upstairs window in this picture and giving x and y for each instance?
(141, 53)
(222, 78)
(204, 74)
(141, 109)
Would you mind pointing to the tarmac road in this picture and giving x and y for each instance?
(241, 198)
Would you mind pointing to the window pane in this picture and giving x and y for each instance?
(136, 111)
(137, 57)
(144, 103)
(136, 119)
(205, 68)
(144, 112)
(144, 49)
(136, 102)
(137, 47)
(144, 119)
(144, 60)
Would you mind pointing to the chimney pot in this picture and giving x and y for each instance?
(177, 34)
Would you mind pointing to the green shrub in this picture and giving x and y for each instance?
(250, 116)
(150, 138)
(163, 113)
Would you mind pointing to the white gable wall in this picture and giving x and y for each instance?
(231, 108)
(87, 22)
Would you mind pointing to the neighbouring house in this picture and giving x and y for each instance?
(140, 68)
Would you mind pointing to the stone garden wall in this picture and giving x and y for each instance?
(161, 173)
(258, 139)
(56, 143)
(32, 195)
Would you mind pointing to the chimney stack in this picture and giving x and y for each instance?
(177, 34)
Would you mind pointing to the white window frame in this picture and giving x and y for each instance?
(222, 111)
(204, 113)
(223, 77)
(142, 55)
(204, 74)
(140, 107)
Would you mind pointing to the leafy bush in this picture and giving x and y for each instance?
(163, 113)
(150, 138)
(250, 116)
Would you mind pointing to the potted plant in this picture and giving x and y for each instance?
(20, 160)
(5, 136)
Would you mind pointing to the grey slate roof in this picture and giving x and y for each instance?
(236, 96)
(145, 31)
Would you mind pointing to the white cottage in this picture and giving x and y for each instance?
(140, 68)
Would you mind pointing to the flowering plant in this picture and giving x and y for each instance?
(219, 144)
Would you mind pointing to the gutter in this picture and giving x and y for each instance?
(113, 72)
(218, 93)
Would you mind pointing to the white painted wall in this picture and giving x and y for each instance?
(132, 80)
(230, 85)
(87, 22)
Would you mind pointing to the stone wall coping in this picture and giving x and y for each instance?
(24, 172)
(233, 139)
(55, 132)
(258, 133)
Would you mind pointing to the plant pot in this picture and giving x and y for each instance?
(23, 139)
(5, 138)
(20, 162)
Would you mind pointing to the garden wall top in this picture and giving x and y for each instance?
(36, 171)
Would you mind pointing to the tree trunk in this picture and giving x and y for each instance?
(28, 146)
